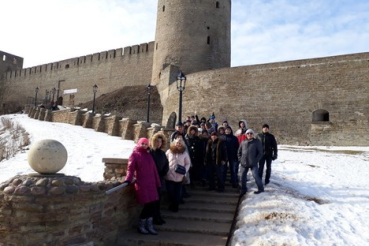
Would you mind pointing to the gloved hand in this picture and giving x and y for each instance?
(274, 157)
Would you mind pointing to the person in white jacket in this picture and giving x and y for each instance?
(177, 155)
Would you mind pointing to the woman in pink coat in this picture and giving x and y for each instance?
(142, 166)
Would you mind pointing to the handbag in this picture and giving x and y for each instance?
(180, 169)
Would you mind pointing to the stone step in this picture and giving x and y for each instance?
(170, 238)
(192, 226)
(198, 215)
(198, 198)
(210, 207)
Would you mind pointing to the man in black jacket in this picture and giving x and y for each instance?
(270, 152)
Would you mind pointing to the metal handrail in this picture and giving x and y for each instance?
(108, 192)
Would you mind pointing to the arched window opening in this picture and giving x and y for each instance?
(217, 5)
(320, 115)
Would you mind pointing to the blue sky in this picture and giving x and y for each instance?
(263, 31)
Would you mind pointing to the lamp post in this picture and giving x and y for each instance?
(36, 91)
(53, 90)
(181, 84)
(94, 89)
(148, 103)
(46, 97)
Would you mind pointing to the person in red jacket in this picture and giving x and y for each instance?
(142, 166)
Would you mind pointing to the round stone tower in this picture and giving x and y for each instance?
(193, 35)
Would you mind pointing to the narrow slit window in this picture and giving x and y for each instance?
(208, 40)
(217, 5)
(163, 8)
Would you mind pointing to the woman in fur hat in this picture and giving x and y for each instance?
(158, 145)
(177, 155)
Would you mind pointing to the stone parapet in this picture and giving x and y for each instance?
(127, 128)
(140, 130)
(111, 124)
(115, 168)
(41, 115)
(63, 210)
(98, 123)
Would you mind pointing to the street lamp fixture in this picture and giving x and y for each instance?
(94, 89)
(181, 84)
(148, 103)
(36, 91)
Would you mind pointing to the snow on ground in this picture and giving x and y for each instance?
(86, 149)
(317, 195)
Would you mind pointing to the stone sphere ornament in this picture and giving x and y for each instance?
(47, 156)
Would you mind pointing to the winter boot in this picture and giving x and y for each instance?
(142, 226)
(150, 226)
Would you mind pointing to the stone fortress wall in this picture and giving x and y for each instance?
(109, 70)
(9, 62)
(322, 101)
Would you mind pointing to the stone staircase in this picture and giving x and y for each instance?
(205, 219)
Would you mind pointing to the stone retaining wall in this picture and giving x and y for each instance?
(58, 210)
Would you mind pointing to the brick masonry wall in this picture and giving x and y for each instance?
(284, 95)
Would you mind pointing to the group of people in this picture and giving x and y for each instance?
(200, 153)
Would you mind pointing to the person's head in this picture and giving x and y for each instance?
(179, 143)
(205, 133)
(214, 136)
(228, 130)
(208, 125)
(250, 134)
(202, 125)
(225, 123)
(192, 130)
(158, 141)
(265, 128)
(241, 124)
(221, 130)
(143, 143)
(179, 127)
(203, 120)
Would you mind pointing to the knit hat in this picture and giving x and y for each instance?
(250, 131)
(179, 124)
(142, 140)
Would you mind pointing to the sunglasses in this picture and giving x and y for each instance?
(249, 133)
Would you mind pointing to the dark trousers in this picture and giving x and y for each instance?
(233, 167)
(256, 176)
(157, 213)
(216, 172)
(148, 210)
(174, 190)
(268, 161)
